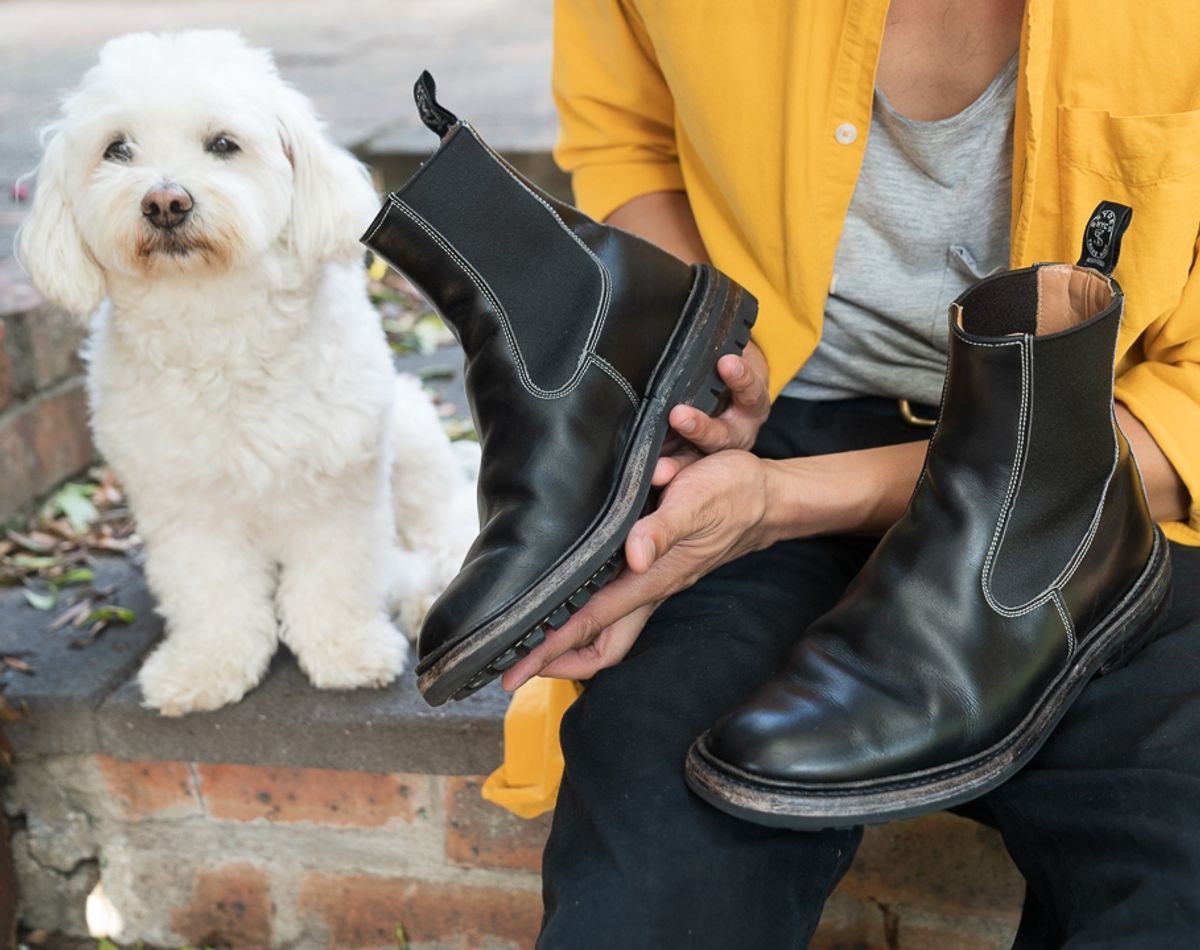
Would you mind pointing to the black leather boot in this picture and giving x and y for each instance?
(579, 338)
(1026, 563)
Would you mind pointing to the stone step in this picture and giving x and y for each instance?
(84, 700)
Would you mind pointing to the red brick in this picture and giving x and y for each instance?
(8, 887)
(480, 834)
(54, 337)
(17, 296)
(18, 477)
(230, 907)
(320, 796)
(150, 789)
(362, 911)
(6, 380)
(61, 441)
(941, 864)
(849, 923)
(956, 935)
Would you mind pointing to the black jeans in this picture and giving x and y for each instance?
(1104, 823)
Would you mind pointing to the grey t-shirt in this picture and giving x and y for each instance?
(929, 217)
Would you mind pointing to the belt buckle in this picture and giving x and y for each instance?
(907, 414)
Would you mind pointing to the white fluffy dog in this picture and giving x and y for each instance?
(239, 378)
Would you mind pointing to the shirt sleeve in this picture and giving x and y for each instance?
(616, 114)
(1163, 391)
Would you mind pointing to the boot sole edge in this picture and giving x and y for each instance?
(1131, 626)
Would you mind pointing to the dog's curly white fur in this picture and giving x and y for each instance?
(239, 379)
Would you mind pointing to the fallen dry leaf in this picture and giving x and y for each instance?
(16, 663)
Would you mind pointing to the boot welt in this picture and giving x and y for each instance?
(716, 321)
(1131, 625)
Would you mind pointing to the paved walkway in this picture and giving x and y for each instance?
(356, 58)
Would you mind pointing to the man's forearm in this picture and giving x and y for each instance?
(864, 492)
(663, 218)
(1165, 489)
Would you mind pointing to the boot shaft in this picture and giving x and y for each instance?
(1031, 365)
(514, 270)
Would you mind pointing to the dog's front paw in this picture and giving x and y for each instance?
(373, 654)
(409, 611)
(178, 679)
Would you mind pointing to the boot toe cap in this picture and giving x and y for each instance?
(785, 735)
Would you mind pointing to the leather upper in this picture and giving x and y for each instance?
(562, 322)
(921, 663)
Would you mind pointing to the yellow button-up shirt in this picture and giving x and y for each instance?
(760, 111)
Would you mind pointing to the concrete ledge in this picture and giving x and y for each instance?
(85, 700)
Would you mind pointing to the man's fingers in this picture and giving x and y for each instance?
(669, 466)
(579, 664)
(749, 390)
(658, 532)
(576, 632)
(703, 431)
(620, 598)
(665, 469)
(606, 650)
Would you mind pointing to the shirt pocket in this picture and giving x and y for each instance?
(1152, 164)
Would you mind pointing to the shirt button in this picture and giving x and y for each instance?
(846, 133)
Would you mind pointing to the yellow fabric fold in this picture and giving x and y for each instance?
(527, 782)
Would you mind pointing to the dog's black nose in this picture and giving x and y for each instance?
(166, 206)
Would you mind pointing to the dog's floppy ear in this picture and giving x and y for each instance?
(49, 245)
(332, 200)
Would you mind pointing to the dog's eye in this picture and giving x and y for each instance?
(222, 145)
(118, 151)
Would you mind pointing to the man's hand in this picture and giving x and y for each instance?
(709, 515)
(699, 434)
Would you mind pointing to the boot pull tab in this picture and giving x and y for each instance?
(1102, 236)
(436, 117)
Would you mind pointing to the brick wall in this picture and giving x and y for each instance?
(8, 889)
(44, 436)
(254, 857)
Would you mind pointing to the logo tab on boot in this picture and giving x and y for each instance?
(437, 118)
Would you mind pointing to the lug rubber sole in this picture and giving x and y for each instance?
(1131, 625)
(716, 321)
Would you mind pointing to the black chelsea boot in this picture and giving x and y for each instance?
(1025, 564)
(579, 338)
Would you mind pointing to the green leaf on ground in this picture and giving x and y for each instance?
(80, 575)
(74, 502)
(109, 613)
(429, 331)
(401, 937)
(458, 429)
(33, 562)
(41, 600)
(436, 372)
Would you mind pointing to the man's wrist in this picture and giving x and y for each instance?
(860, 492)
(805, 498)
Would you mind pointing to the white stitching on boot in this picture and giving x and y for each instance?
(502, 315)
(620, 380)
